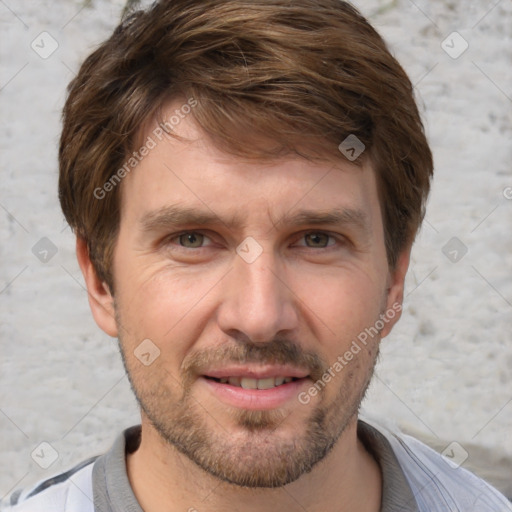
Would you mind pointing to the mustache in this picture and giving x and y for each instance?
(277, 351)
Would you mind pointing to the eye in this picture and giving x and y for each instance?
(190, 240)
(318, 240)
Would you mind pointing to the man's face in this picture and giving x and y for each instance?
(242, 274)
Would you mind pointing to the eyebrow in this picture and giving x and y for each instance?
(173, 216)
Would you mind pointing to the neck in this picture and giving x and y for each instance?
(163, 479)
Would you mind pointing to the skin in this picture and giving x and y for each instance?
(303, 300)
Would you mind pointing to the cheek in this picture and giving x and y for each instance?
(347, 307)
(342, 305)
(167, 306)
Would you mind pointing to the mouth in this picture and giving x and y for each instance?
(252, 383)
(256, 388)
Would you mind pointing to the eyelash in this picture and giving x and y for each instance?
(339, 239)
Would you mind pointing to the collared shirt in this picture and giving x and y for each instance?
(414, 477)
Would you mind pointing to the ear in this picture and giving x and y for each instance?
(101, 301)
(395, 291)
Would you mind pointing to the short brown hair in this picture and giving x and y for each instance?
(301, 75)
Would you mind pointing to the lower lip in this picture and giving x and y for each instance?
(255, 399)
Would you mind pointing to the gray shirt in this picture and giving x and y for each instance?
(415, 479)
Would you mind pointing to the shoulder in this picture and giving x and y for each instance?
(439, 483)
(69, 491)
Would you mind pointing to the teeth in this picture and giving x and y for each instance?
(266, 383)
(251, 383)
(234, 381)
(248, 383)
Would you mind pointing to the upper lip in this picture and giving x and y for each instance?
(255, 372)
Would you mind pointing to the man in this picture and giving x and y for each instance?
(245, 180)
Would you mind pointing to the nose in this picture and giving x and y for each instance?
(258, 304)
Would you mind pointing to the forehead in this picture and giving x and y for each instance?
(194, 173)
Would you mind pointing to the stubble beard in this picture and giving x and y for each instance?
(258, 455)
